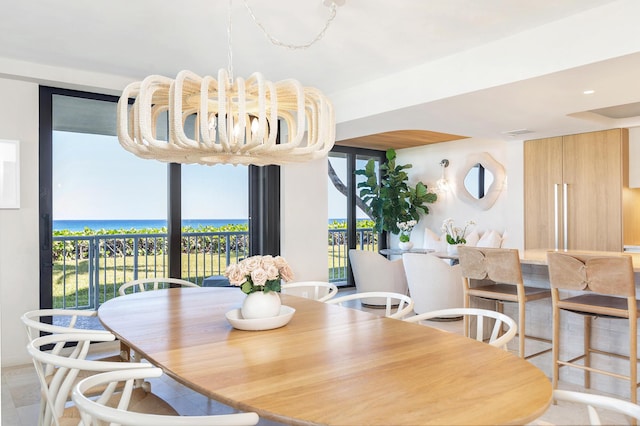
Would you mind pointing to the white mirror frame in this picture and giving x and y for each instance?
(491, 195)
(9, 174)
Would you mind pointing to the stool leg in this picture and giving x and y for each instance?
(467, 304)
(555, 348)
(521, 331)
(587, 351)
(499, 308)
(633, 355)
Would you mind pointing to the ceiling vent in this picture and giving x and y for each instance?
(517, 132)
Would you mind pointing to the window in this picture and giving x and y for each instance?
(347, 216)
(86, 177)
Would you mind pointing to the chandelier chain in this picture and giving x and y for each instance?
(277, 42)
(230, 51)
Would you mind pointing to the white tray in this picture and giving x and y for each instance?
(235, 319)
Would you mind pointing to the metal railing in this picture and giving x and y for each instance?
(366, 239)
(88, 270)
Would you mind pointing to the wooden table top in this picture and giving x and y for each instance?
(329, 365)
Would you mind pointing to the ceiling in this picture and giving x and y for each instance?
(389, 67)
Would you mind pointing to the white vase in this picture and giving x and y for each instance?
(402, 245)
(261, 305)
(452, 249)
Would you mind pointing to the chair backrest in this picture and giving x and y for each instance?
(499, 335)
(500, 265)
(58, 369)
(592, 401)
(374, 272)
(403, 304)
(94, 411)
(144, 284)
(610, 275)
(316, 290)
(62, 321)
(433, 283)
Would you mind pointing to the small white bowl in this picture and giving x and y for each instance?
(235, 319)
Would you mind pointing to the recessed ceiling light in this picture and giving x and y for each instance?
(589, 92)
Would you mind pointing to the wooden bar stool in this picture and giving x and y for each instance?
(500, 275)
(594, 286)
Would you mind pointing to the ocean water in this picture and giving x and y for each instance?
(79, 225)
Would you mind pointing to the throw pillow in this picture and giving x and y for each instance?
(431, 240)
(472, 239)
(490, 239)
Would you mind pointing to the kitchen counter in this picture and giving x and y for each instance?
(539, 257)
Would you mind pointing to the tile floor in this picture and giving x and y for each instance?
(20, 396)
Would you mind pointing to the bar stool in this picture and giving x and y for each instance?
(500, 275)
(594, 286)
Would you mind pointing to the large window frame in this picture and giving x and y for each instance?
(263, 199)
(351, 154)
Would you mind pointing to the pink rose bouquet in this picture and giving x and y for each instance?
(259, 273)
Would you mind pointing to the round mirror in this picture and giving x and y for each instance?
(478, 181)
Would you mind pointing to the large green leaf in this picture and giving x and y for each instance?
(392, 199)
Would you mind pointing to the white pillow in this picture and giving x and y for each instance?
(490, 239)
(504, 240)
(443, 242)
(472, 239)
(431, 240)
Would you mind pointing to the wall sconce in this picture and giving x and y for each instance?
(443, 184)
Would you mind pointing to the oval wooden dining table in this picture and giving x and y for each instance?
(329, 365)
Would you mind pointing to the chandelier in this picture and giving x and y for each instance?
(226, 120)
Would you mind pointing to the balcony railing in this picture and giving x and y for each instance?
(88, 270)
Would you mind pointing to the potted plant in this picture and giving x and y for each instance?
(391, 200)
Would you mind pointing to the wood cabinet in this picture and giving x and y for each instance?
(573, 189)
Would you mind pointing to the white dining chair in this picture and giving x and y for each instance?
(592, 401)
(59, 321)
(153, 283)
(59, 369)
(120, 409)
(396, 305)
(503, 331)
(374, 272)
(316, 290)
(433, 283)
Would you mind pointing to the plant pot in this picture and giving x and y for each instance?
(261, 305)
(452, 249)
(408, 245)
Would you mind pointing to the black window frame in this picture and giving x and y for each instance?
(263, 199)
(351, 153)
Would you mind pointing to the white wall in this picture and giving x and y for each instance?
(304, 219)
(507, 212)
(19, 266)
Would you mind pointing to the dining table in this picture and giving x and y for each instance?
(329, 364)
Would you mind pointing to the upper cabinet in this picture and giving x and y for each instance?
(573, 189)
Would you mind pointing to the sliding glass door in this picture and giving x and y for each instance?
(107, 216)
(350, 226)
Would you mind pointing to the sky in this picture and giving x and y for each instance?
(95, 178)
